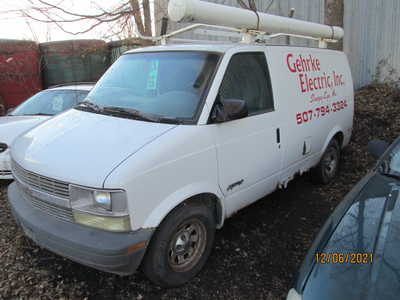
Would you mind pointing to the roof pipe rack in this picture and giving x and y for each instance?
(247, 36)
(163, 38)
(246, 21)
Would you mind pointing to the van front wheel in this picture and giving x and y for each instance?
(328, 167)
(181, 246)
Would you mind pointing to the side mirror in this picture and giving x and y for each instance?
(229, 110)
(377, 147)
(10, 110)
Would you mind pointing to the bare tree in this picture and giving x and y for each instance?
(119, 18)
(334, 13)
(147, 18)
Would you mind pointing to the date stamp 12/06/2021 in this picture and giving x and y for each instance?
(344, 258)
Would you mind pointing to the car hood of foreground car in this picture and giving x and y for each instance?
(83, 147)
(367, 222)
(13, 126)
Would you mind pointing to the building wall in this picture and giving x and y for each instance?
(372, 40)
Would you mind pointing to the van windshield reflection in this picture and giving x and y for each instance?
(156, 86)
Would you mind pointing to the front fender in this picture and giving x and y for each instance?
(178, 197)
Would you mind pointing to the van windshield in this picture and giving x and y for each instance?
(165, 84)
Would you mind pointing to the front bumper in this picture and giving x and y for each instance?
(5, 166)
(119, 253)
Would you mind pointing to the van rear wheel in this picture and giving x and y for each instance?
(181, 246)
(328, 166)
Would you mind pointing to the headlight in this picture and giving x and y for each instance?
(293, 295)
(3, 147)
(103, 199)
(102, 209)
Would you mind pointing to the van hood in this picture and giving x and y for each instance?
(83, 147)
(13, 126)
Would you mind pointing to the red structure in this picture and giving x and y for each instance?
(20, 75)
(73, 61)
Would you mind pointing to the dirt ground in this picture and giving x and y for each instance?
(256, 254)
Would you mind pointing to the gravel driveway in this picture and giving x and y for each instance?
(256, 253)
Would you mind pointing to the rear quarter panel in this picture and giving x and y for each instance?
(307, 83)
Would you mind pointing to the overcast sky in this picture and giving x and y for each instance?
(13, 26)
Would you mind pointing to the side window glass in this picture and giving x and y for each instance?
(247, 78)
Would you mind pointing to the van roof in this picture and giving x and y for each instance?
(191, 47)
(216, 47)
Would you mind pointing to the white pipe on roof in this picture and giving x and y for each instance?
(217, 14)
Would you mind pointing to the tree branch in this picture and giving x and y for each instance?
(137, 15)
(122, 15)
(147, 18)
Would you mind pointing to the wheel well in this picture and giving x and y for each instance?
(211, 201)
(339, 137)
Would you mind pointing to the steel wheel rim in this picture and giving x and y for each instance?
(187, 245)
(330, 162)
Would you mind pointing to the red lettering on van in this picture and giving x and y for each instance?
(293, 70)
(309, 69)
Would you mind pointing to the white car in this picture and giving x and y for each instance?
(34, 111)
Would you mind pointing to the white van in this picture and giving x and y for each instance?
(172, 141)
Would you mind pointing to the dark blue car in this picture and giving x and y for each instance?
(356, 255)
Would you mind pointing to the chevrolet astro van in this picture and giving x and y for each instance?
(172, 141)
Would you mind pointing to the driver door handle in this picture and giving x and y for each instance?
(278, 136)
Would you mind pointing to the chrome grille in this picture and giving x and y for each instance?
(5, 173)
(41, 183)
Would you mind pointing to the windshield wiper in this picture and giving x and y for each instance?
(130, 113)
(391, 175)
(38, 114)
(385, 170)
(89, 105)
(171, 120)
(127, 113)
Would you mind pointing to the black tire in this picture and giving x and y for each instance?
(328, 166)
(162, 263)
